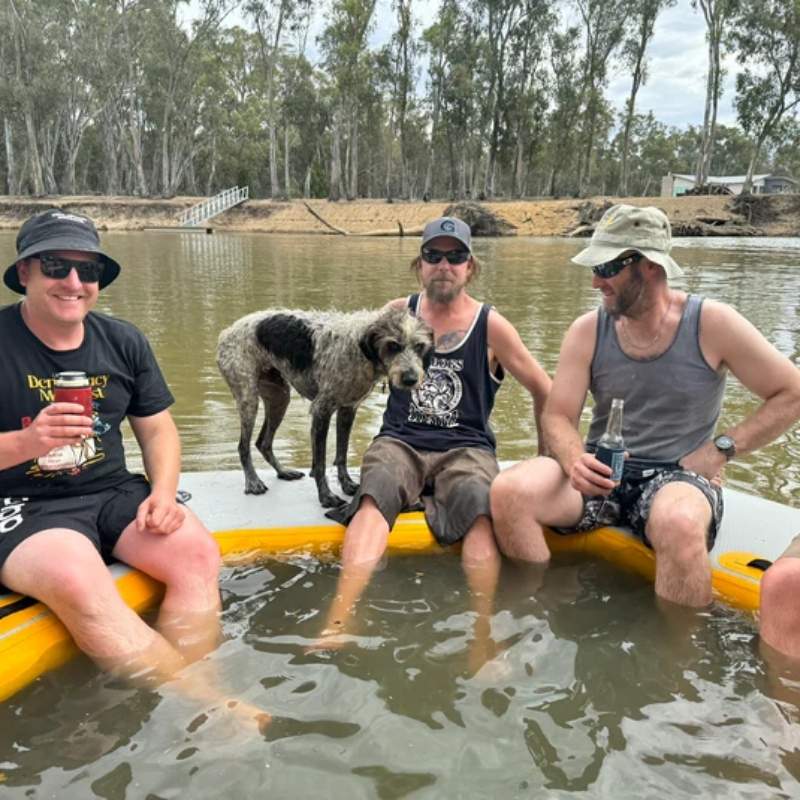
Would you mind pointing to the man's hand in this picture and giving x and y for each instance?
(707, 461)
(591, 477)
(160, 513)
(56, 425)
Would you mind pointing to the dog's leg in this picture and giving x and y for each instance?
(345, 415)
(275, 393)
(248, 408)
(320, 422)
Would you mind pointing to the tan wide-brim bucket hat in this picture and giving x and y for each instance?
(645, 229)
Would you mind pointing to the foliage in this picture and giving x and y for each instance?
(498, 98)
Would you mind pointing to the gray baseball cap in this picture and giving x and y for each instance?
(645, 229)
(453, 227)
(58, 229)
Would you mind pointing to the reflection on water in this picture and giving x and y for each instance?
(595, 691)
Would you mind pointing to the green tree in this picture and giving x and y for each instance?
(766, 36)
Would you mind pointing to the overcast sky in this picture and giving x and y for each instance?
(675, 88)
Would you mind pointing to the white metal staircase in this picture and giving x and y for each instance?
(197, 215)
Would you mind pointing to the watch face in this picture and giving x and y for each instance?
(724, 443)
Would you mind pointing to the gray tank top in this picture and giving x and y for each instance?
(672, 401)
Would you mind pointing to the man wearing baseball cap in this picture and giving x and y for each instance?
(436, 442)
(665, 353)
(67, 500)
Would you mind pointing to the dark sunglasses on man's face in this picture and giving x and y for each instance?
(58, 267)
(452, 256)
(612, 268)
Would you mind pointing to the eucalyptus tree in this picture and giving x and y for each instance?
(603, 24)
(273, 21)
(717, 14)
(401, 55)
(566, 105)
(458, 42)
(766, 37)
(7, 101)
(528, 88)
(344, 44)
(641, 27)
(499, 19)
(28, 51)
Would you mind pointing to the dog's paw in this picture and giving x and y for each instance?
(349, 486)
(290, 474)
(255, 487)
(330, 500)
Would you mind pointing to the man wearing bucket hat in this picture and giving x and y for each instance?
(67, 500)
(665, 353)
(436, 442)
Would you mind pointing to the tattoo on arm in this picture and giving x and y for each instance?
(450, 339)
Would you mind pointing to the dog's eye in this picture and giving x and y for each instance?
(421, 349)
(393, 348)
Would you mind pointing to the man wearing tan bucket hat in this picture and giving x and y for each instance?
(665, 353)
(67, 499)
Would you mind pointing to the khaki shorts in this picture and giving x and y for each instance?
(793, 550)
(452, 486)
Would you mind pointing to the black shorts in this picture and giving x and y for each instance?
(629, 504)
(100, 516)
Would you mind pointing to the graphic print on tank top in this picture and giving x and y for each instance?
(435, 401)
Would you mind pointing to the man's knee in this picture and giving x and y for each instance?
(199, 551)
(479, 545)
(678, 532)
(780, 585)
(529, 483)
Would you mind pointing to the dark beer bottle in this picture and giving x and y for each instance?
(611, 447)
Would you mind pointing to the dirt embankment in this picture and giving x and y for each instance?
(775, 215)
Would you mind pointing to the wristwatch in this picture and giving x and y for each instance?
(726, 446)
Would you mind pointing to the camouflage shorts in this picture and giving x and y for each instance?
(629, 504)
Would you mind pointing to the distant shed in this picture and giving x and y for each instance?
(674, 185)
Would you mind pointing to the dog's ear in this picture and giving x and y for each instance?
(368, 344)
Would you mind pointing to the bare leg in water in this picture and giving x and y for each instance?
(364, 546)
(61, 568)
(480, 559)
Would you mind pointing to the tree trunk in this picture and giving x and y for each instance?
(286, 161)
(353, 192)
(335, 189)
(12, 179)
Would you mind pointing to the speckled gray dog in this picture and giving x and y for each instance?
(332, 359)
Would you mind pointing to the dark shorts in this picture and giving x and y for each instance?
(629, 504)
(100, 516)
(452, 486)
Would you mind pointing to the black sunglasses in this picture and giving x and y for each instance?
(612, 268)
(452, 256)
(58, 267)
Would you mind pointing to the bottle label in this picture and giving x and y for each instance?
(614, 458)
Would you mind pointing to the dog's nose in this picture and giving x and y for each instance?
(409, 377)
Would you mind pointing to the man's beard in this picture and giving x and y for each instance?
(629, 296)
(442, 291)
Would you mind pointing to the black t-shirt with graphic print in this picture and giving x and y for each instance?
(125, 380)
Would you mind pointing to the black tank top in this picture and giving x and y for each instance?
(451, 407)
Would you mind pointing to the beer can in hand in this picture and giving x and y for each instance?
(73, 387)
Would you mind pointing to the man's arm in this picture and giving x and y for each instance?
(727, 339)
(161, 452)
(508, 348)
(562, 414)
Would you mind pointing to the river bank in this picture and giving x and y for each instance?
(771, 215)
